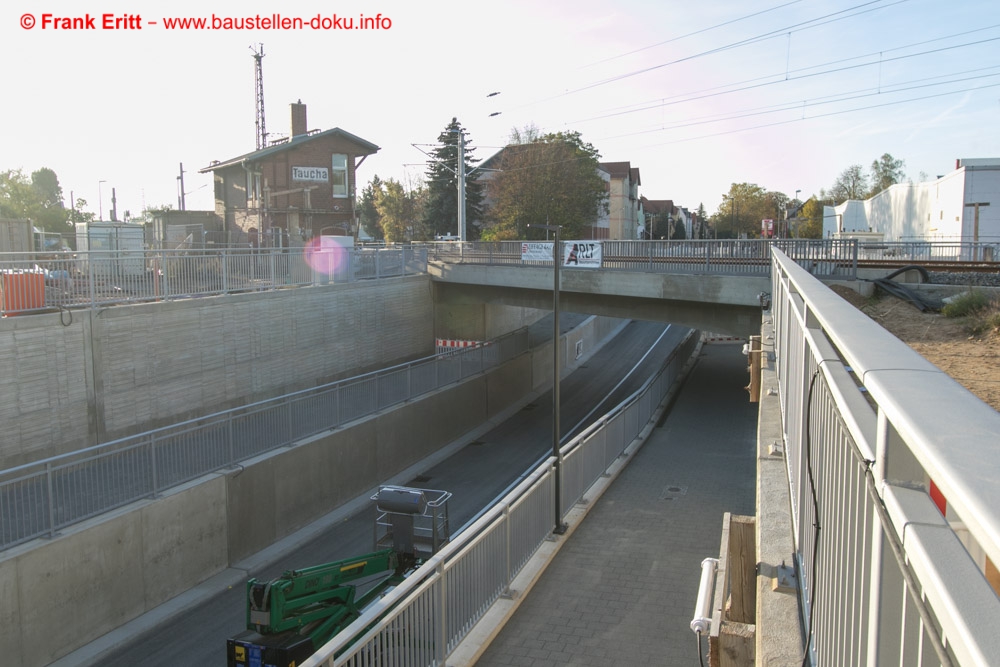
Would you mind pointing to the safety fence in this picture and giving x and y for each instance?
(34, 282)
(424, 619)
(929, 251)
(832, 257)
(892, 470)
(40, 498)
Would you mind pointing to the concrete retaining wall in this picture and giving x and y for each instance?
(62, 593)
(73, 380)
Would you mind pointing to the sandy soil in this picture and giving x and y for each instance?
(974, 361)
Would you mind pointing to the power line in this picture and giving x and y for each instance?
(662, 101)
(803, 104)
(824, 115)
(692, 34)
(805, 25)
(795, 78)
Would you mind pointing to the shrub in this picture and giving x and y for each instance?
(966, 304)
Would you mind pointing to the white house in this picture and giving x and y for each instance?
(938, 210)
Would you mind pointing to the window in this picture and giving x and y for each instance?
(338, 175)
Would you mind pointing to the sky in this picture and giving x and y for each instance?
(785, 94)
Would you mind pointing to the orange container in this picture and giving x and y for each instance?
(22, 291)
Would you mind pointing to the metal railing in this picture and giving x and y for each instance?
(423, 621)
(892, 469)
(832, 257)
(40, 498)
(929, 251)
(33, 282)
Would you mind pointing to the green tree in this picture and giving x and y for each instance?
(367, 209)
(37, 198)
(886, 171)
(440, 215)
(399, 212)
(741, 211)
(851, 184)
(78, 214)
(548, 179)
(811, 220)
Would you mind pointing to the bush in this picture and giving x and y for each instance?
(983, 313)
(966, 304)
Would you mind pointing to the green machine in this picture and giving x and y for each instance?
(289, 618)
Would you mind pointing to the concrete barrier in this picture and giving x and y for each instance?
(59, 594)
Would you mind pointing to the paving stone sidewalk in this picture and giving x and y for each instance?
(622, 590)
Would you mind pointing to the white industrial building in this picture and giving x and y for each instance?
(938, 210)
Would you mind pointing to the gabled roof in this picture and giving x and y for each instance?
(367, 148)
(616, 169)
(658, 205)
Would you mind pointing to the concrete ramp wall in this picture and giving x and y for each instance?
(74, 379)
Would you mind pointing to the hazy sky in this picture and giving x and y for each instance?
(823, 84)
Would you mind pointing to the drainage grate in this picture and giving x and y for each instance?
(476, 443)
(529, 406)
(672, 491)
(419, 479)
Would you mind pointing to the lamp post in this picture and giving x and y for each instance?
(100, 202)
(560, 527)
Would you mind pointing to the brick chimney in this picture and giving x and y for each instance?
(299, 125)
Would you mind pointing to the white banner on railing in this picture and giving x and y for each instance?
(582, 254)
(575, 254)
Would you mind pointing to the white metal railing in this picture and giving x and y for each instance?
(872, 431)
(831, 257)
(39, 498)
(34, 282)
(424, 619)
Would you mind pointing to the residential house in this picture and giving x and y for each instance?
(294, 189)
(624, 205)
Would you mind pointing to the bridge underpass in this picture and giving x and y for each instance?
(476, 474)
(728, 304)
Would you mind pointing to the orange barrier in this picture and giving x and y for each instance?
(21, 292)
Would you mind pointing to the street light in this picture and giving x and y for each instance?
(560, 527)
(100, 202)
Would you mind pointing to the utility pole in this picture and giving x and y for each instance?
(975, 226)
(460, 172)
(180, 195)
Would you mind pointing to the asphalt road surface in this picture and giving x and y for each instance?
(475, 475)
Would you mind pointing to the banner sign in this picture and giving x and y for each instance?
(582, 254)
(575, 254)
(536, 252)
(311, 174)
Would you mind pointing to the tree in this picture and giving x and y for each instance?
(811, 226)
(399, 212)
(851, 184)
(368, 211)
(441, 212)
(38, 198)
(77, 214)
(550, 179)
(886, 171)
(702, 222)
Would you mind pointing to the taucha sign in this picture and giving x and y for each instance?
(311, 174)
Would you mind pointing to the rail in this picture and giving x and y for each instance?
(40, 498)
(35, 282)
(892, 470)
(834, 258)
(423, 620)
